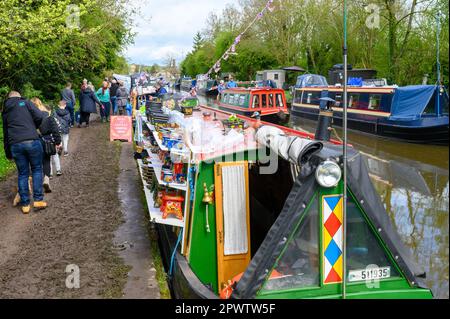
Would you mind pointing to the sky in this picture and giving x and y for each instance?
(167, 27)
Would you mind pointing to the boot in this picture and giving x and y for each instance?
(40, 205)
(46, 185)
(26, 209)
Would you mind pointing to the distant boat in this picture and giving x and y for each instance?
(187, 84)
(268, 102)
(207, 87)
(417, 113)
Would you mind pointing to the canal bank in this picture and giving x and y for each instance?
(413, 183)
(78, 228)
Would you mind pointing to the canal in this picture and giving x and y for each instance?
(413, 182)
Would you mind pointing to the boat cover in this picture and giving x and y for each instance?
(409, 102)
(305, 187)
(308, 80)
(294, 149)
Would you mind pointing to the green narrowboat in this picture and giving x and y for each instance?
(262, 215)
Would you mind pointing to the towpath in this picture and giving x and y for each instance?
(94, 221)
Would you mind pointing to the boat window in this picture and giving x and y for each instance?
(279, 100)
(235, 100)
(242, 98)
(366, 259)
(255, 103)
(298, 265)
(338, 99)
(375, 102)
(264, 100)
(312, 98)
(271, 96)
(353, 101)
(276, 76)
(298, 96)
(225, 98)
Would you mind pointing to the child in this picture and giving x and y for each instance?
(63, 117)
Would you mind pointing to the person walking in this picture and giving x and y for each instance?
(50, 133)
(21, 141)
(69, 96)
(104, 96)
(113, 92)
(88, 100)
(122, 98)
(63, 117)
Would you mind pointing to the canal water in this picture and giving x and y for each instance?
(413, 183)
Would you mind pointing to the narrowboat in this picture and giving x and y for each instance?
(207, 87)
(268, 102)
(257, 212)
(417, 113)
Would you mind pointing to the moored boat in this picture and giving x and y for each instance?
(257, 212)
(417, 114)
(207, 87)
(268, 102)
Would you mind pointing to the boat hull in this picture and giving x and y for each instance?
(276, 118)
(429, 130)
(183, 283)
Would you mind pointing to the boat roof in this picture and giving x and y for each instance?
(205, 152)
(333, 88)
(254, 90)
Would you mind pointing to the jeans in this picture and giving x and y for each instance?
(105, 110)
(71, 108)
(26, 154)
(114, 104)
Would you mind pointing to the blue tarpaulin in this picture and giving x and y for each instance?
(409, 102)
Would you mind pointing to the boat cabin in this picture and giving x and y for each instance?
(265, 101)
(261, 211)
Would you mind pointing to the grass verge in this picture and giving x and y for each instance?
(6, 166)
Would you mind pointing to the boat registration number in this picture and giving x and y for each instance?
(369, 274)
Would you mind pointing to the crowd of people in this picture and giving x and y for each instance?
(36, 135)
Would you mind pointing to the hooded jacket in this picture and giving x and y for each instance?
(88, 100)
(21, 118)
(63, 117)
(49, 128)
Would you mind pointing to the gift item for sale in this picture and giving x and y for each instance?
(167, 176)
(172, 205)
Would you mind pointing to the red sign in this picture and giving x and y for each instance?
(121, 128)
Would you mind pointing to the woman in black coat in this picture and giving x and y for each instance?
(88, 101)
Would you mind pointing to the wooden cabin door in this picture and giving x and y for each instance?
(232, 220)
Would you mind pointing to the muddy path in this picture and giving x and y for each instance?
(77, 228)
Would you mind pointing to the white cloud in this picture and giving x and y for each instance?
(171, 28)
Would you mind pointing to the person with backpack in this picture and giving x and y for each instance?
(122, 98)
(51, 140)
(21, 141)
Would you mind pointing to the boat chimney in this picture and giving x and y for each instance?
(325, 121)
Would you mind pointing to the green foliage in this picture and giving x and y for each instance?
(44, 45)
(402, 47)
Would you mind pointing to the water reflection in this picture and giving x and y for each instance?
(413, 183)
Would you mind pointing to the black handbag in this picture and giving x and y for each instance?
(49, 146)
